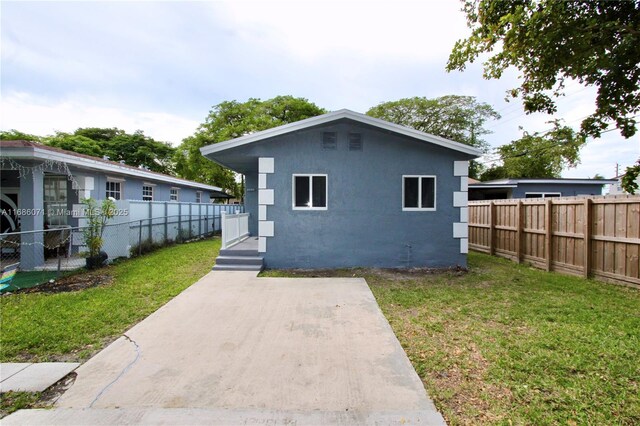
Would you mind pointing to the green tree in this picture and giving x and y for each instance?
(630, 178)
(232, 119)
(459, 118)
(493, 173)
(539, 155)
(594, 42)
(72, 142)
(134, 149)
(16, 135)
(139, 150)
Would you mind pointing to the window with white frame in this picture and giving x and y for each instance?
(418, 193)
(542, 194)
(309, 192)
(173, 194)
(147, 192)
(198, 196)
(114, 189)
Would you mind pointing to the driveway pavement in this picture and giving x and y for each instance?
(234, 348)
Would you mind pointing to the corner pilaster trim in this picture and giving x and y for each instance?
(461, 168)
(266, 197)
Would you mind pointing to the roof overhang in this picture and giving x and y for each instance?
(210, 151)
(35, 153)
(568, 181)
(483, 186)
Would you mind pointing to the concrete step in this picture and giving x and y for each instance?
(238, 252)
(239, 260)
(217, 267)
(219, 416)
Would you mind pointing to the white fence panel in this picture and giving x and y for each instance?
(235, 228)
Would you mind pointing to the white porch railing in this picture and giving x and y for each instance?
(235, 228)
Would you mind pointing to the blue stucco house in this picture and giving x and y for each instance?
(42, 187)
(535, 188)
(345, 190)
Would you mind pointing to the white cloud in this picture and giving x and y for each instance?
(31, 114)
(311, 30)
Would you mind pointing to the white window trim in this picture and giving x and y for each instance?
(177, 193)
(119, 182)
(152, 191)
(435, 194)
(310, 175)
(543, 195)
(199, 195)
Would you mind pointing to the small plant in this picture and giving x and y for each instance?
(97, 218)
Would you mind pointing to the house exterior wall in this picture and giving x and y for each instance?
(30, 191)
(132, 188)
(364, 224)
(566, 189)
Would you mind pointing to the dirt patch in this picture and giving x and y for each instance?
(74, 282)
(13, 401)
(384, 273)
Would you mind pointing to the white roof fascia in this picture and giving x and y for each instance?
(491, 185)
(336, 115)
(45, 154)
(568, 181)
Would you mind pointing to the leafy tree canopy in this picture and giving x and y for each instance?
(594, 42)
(134, 149)
(75, 143)
(538, 155)
(232, 119)
(16, 135)
(630, 178)
(459, 118)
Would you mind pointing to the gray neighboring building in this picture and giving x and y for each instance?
(42, 181)
(345, 190)
(501, 189)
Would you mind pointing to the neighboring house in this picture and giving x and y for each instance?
(535, 188)
(344, 190)
(615, 188)
(40, 185)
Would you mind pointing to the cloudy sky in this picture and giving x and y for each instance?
(160, 66)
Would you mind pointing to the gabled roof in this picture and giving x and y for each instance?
(19, 149)
(334, 116)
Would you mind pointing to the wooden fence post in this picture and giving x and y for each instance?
(548, 213)
(492, 228)
(519, 228)
(587, 238)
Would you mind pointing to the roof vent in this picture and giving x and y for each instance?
(329, 140)
(355, 141)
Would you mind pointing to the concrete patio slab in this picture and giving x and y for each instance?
(259, 350)
(35, 377)
(213, 417)
(8, 369)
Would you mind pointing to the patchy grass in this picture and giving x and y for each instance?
(510, 344)
(71, 326)
(14, 401)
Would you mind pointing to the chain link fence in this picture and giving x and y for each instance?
(34, 257)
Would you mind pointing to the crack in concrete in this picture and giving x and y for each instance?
(122, 373)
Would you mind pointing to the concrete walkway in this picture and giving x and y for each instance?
(234, 348)
(32, 377)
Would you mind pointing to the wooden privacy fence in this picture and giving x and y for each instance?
(588, 236)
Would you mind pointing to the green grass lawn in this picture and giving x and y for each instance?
(502, 344)
(71, 326)
(508, 344)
